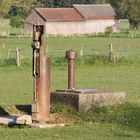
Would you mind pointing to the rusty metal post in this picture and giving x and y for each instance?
(43, 89)
(71, 55)
(41, 74)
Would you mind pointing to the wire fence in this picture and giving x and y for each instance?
(18, 55)
(87, 48)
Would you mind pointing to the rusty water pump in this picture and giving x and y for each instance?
(41, 74)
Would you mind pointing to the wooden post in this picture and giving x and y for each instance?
(110, 51)
(81, 51)
(18, 56)
(112, 55)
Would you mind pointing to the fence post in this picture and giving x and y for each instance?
(81, 51)
(110, 51)
(112, 55)
(18, 57)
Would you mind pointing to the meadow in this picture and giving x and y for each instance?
(103, 123)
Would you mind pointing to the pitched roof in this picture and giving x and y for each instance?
(96, 11)
(59, 14)
(77, 13)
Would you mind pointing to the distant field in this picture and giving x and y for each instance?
(5, 28)
(57, 47)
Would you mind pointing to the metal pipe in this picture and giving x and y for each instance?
(41, 73)
(43, 89)
(71, 55)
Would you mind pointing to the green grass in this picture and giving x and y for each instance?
(17, 82)
(125, 28)
(100, 123)
(58, 46)
(118, 122)
(6, 29)
(79, 132)
(123, 46)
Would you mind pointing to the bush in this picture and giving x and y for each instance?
(16, 22)
(109, 30)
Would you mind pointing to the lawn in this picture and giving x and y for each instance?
(106, 123)
(117, 123)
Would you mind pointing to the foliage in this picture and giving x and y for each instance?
(128, 9)
(16, 22)
(5, 6)
(131, 9)
(22, 8)
(109, 30)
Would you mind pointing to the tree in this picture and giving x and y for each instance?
(5, 6)
(22, 7)
(129, 9)
(16, 22)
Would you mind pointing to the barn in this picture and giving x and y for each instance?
(79, 19)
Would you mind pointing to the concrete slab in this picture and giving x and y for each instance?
(13, 120)
(26, 120)
(84, 99)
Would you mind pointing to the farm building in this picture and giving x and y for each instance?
(80, 19)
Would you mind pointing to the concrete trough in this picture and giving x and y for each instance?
(84, 99)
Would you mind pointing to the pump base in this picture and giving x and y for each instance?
(84, 99)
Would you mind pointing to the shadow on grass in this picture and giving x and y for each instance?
(24, 108)
(126, 115)
(15, 109)
(3, 112)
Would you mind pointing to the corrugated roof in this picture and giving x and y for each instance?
(96, 11)
(59, 14)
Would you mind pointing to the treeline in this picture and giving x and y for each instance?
(125, 8)
(23, 7)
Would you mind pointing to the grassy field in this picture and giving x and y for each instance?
(17, 82)
(118, 122)
(105, 123)
(6, 29)
(58, 46)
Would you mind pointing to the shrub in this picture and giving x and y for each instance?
(109, 30)
(16, 22)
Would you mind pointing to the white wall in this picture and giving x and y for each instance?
(80, 27)
(65, 28)
(97, 26)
